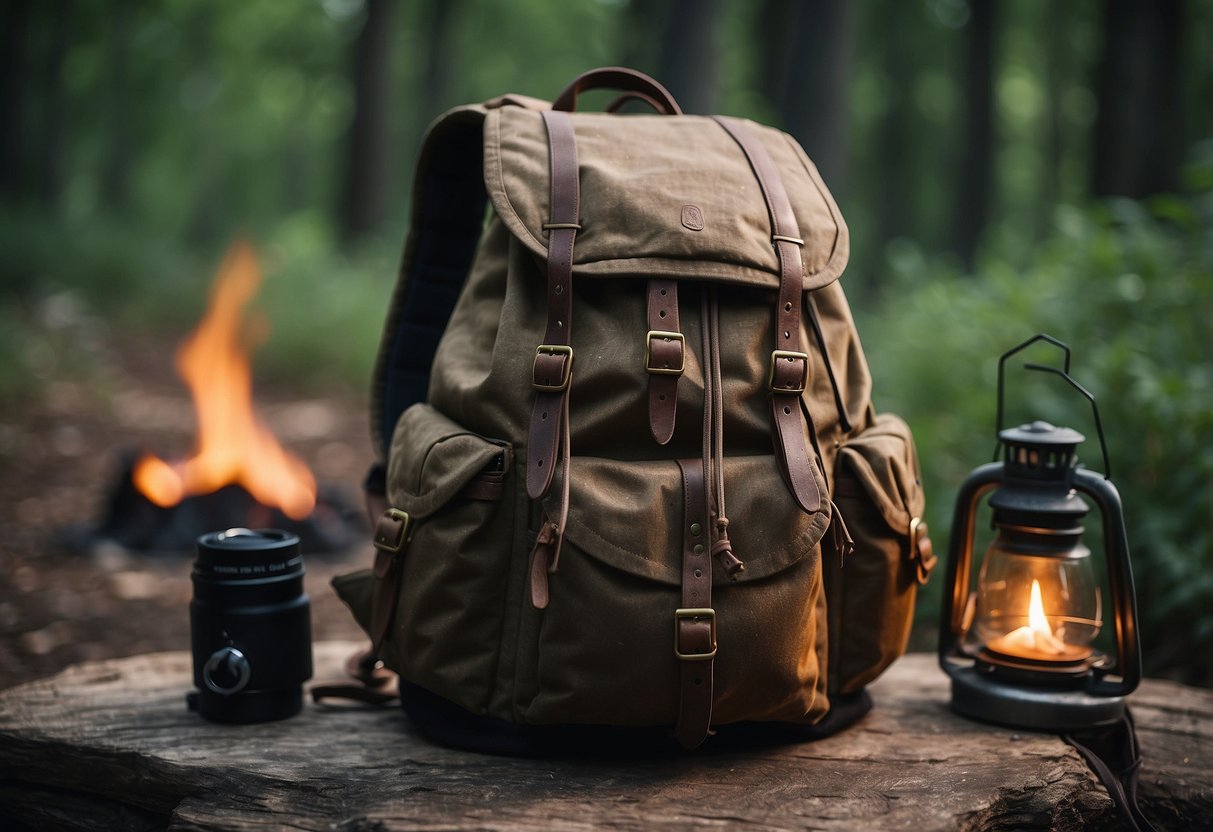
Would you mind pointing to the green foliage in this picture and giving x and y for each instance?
(1129, 287)
(69, 287)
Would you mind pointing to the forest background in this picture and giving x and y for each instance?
(1005, 168)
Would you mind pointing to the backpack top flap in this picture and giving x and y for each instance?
(668, 196)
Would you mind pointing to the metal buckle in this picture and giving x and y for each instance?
(406, 523)
(669, 336)
(566, 374)
(694, 613)
(776, 355)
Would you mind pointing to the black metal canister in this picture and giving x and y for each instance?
(250, 626)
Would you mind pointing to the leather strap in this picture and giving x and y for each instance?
(695, 620)
(664, 357)
(618, 78)
(789, 367)
(393, 532)
(553, 365)
(1113, 755)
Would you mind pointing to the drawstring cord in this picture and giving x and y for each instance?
(713, 436)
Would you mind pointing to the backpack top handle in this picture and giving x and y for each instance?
(619, 78)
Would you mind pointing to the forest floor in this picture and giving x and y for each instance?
(61, 452)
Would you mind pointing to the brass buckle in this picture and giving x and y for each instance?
(406, 524)
(776, 355)
(669, 336)
(565, 375)
(921, 550)
(692, 613)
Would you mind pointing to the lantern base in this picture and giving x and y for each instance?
(984, 699)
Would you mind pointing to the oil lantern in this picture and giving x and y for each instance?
(1020, 646)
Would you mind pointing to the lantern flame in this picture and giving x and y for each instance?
(233, 447)
(1036, 640)
(1036, 613)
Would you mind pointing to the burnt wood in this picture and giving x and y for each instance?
(110, 745)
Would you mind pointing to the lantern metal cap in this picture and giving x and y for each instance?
(1040, 433)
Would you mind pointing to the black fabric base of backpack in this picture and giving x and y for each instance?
(444, 723)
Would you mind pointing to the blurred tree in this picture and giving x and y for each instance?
(210, 197)
(367, 147)
(115, 178)
(976, 175)
(689, 53)
(1139, 127)
(53, 145)
(807, 54)
(441, 60)
(14, 26)
(895, 128)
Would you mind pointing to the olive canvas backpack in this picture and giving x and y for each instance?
(632, 476)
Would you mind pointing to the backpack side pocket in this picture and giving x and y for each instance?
(870, 596)
(449, 580)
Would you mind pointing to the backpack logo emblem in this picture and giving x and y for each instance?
(692, 217)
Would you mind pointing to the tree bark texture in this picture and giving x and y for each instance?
(110, 745)
(975, 184)
(1139, 125)
(806, 69)
(689, 53)
(365, 188)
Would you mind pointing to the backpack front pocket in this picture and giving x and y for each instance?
(870, 596)
(450, 575)
(605, 651)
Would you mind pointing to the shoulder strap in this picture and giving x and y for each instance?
(447, 219)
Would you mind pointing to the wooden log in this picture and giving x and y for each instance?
(110, 745)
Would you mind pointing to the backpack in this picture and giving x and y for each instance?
(634, 480)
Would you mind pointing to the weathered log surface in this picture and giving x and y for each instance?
(110, 745)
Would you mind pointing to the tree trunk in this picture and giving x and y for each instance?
(977, 156)
(14, 30)
(1139, 126)
(808, 56)
(689, 62)
(53, 147)
(441, 61)
(365, 188)
(893, 131)
(115, 176)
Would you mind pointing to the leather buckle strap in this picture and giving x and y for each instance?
(392, 534)
(795, 460)
(553, 366)
(392, 531)
(545, 368)
(666, 368)
(682, 635)
(694, 618)
(784, 377)
(664, 356)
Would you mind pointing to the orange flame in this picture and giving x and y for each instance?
(233, 447)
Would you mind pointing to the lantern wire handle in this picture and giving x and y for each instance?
(1002, 366)
(1065, 374)
(1103, 445)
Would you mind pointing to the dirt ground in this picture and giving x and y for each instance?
(61, 450)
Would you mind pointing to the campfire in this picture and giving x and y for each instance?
(238, 474)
